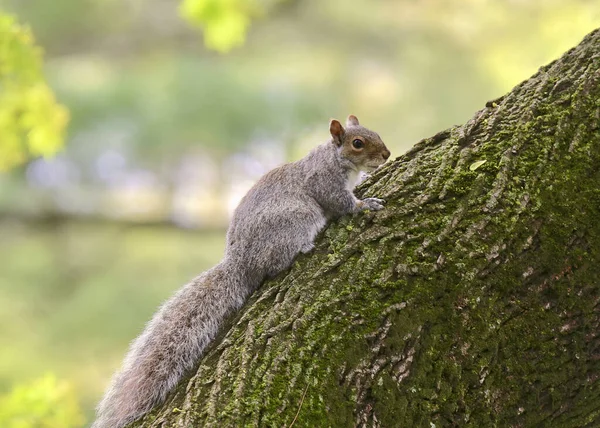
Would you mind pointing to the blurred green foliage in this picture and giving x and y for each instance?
(32, 123)
(43, 403)
(224, 22)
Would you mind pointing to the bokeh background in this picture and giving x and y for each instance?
(176, 108)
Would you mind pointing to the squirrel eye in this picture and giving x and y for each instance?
(357, 144)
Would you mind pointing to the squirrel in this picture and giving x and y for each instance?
(276, 220)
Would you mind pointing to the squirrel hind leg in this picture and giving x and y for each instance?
(282, 257)
(310, 232)
(307, 247)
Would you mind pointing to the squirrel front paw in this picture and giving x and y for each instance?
(374, 204)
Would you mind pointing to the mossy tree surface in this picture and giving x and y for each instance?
(472, 300)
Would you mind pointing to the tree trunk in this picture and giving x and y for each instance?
(472, 299)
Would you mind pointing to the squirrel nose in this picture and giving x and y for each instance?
(386, 154)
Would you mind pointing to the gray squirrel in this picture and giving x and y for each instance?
(278, 218)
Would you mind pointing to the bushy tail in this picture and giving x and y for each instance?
(171, 344)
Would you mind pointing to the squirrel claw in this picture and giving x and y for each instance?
(375, 204)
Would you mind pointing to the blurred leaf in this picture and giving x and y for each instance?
(225, 22)
(32, 123)
(45, 402)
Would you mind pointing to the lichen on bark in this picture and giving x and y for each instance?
(471, 300)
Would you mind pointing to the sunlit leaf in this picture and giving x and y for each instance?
(224, 22)
(32, 123)
(46, 402)
(477, 164)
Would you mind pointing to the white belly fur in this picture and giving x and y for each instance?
(354, 177)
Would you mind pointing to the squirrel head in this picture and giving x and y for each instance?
(359, 145)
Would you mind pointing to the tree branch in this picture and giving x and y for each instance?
(471, 300)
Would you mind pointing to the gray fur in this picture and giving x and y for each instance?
(277, 219)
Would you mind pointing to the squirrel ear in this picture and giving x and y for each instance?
(337, 132)
(352, 121)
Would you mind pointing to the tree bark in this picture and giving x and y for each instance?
(471, 300)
